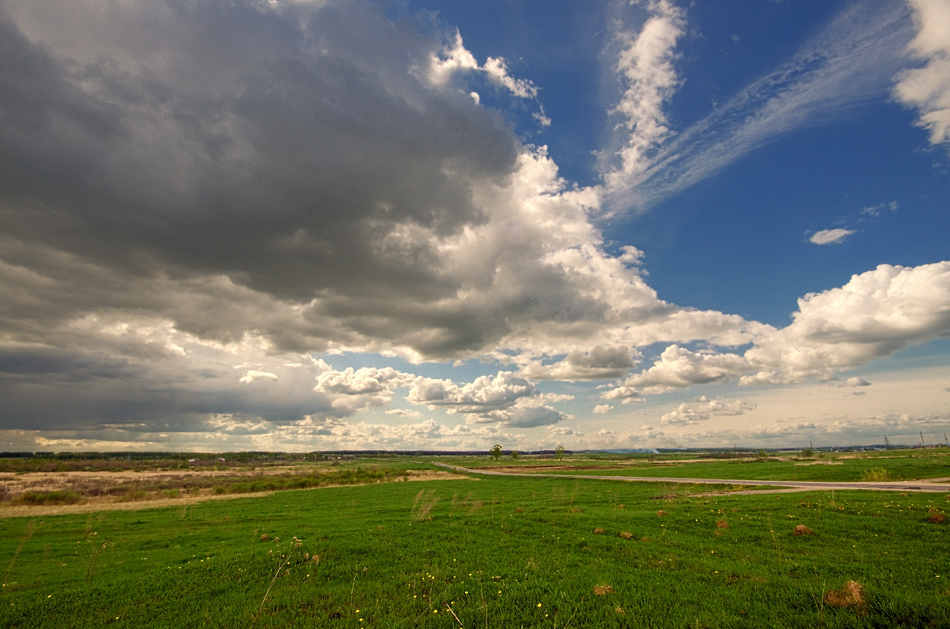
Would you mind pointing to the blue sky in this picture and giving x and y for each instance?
(306, 225)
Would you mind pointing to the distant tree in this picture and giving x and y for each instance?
(515, 454)
(807, 453)
(559, 452)
(495, 451)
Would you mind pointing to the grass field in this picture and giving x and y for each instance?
(892, 465)
(494, 552)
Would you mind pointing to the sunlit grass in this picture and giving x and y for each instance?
(494, 553)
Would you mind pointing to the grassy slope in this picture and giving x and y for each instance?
(501, 552)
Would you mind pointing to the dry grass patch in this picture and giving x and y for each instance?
(626, 535)
(936, 518)
(661, 513)
(621, 507)
(722, 524)
(598, 531)
(801, 529)
(603, 590)
(850, 596)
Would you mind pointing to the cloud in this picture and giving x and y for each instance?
(927, 88)
(830, 236)
(602, 409)
(874, 315)
(854, 381)
(483, 395)
(678, 367)
(875, 210)
(454, 58)
(253, 375)
(402, 412)
(648, 77)
(600, 363)
(321, 197)
(844, 65)
(702, 409)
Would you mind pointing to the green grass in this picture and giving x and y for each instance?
(899, 465)
(500, 552)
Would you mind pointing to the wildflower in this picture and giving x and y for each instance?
(539, 604)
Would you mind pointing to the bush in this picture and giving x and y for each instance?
(47, 498)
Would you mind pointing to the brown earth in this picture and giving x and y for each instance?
(16, 484)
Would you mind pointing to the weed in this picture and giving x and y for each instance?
(91, 552)
(283, 564)
(423, 504)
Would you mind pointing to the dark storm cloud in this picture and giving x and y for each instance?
(284, 150)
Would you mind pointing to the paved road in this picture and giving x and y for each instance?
(918, 485)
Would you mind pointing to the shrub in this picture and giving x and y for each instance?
(876, 475)
(47, 498)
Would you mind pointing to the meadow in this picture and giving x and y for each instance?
(487, 552)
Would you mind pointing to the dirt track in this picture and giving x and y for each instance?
(54, 481)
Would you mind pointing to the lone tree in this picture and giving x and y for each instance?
(495, 451)
(559, 452)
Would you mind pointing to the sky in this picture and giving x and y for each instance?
(304, 225)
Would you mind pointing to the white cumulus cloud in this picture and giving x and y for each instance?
(927, 88)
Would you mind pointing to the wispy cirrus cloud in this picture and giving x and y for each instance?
(850, 61)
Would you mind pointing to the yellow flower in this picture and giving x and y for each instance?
(539, 604)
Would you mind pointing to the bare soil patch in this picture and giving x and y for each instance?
(13, 485)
